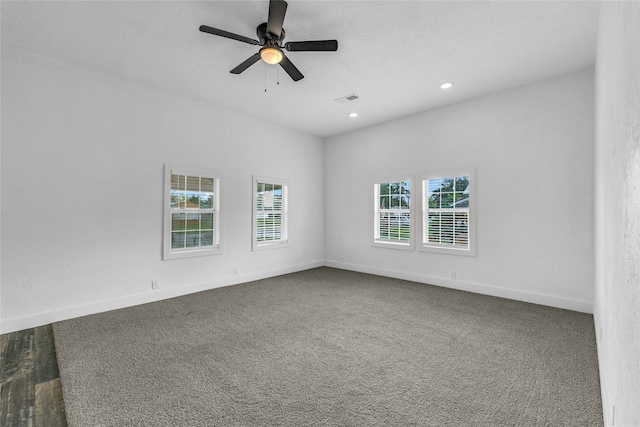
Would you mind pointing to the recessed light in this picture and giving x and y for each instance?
(446, 85)
(353, 114)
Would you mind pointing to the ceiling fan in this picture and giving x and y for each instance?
(270, 37)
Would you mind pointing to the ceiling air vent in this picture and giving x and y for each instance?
(345, 99)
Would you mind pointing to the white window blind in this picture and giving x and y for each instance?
(446, 221)
(392, 213)
(270, 222)
(193, 224)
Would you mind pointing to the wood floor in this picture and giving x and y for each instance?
(29, 380)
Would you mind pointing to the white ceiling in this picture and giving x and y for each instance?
(392, 54)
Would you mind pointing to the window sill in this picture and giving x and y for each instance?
(407, 246)
(267, 246)
(448, 251)
(192, 253)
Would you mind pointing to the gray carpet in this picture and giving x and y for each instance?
(331, 348)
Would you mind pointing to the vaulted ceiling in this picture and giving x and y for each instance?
(392, 54)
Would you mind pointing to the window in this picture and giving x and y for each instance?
(270, 216)
(447, 213)
(192, 212)
(392, 213)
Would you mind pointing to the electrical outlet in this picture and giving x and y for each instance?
(155, 285)
(453, 275)
(235, 271)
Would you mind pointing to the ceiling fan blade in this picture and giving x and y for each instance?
(222, 33)
(291, 69)
(316, 45)
(277, 10)
(246, 64)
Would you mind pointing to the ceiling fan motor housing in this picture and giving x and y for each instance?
(268, 39)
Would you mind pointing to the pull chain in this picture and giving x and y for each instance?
(265, 77)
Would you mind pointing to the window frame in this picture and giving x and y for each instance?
(441, 174)
(375, 224)
(217, 248)
(283, 242)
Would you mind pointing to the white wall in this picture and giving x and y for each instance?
(533, 150)
(82, 191)
(617, 207)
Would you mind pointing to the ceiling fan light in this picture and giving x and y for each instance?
(271, 55)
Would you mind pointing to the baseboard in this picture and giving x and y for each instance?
(39, 319)
(607, 400)
(582, 306)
